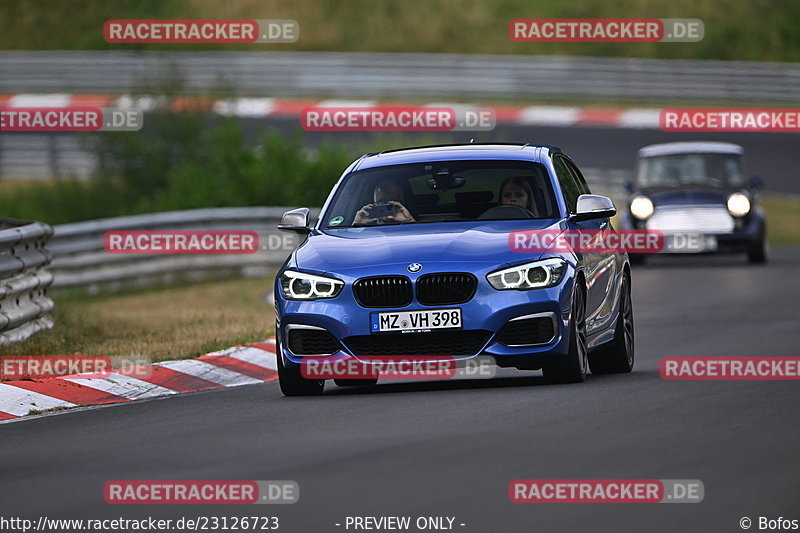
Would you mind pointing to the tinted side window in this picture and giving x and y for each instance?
(578, 176)
(569, 185)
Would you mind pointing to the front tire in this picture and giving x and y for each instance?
(574, 366)
(292, 382)
(637, 258)
(618, 357)
(757, 253)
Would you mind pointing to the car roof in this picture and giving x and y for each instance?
(448, 152)
(695, 147)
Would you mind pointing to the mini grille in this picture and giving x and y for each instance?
(671, 219)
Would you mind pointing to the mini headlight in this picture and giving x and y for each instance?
(301, 286)
(536, 275)
(738, 204)
(641, 207)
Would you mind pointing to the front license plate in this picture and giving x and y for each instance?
(689, 243)
(416, 321)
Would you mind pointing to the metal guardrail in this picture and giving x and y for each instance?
(24, 304)
(44, 156)
(81, 261)
(380, 75)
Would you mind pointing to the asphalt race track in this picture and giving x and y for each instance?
(451, 448)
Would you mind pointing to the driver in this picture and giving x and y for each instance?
(517, 191)
(386, 192)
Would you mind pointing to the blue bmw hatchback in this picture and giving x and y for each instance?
(411, 256)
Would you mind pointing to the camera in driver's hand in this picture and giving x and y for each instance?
(382, 211)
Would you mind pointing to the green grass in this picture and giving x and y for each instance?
(184, 165)
(53, 409)
(783, 219)
(186, 320)
(181, 164)
(734, 29)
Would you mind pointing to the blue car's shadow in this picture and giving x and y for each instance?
(522, 380)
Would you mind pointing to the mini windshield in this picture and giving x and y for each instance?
(686, 170)
(442, 191)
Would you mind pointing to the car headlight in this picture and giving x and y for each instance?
(738, 204)
(642, 207)
(536, 275)
(301, 286)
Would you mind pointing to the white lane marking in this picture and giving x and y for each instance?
(19, 402)
(138, 103)
(549, 115)
(639, 118)
(209, 372)
(245, 107)
(347, 103)
(255, 356)
(457, 108)
(40, 100)
(119, 385)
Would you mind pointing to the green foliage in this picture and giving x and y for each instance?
(759, 30)
(184, 161)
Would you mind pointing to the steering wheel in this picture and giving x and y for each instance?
(506, 212)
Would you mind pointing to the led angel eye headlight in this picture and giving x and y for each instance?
(301, 286)
(536, 275)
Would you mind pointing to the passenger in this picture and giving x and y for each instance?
(517, 191)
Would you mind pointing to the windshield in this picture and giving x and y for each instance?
(442, 191)
(705, 170)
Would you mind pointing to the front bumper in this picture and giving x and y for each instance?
(489, 310)
(747, 233)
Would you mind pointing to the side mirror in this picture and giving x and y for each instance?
(295, 221)
(593, 206)
(756, 182)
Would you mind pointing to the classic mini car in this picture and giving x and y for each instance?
(697, 195)
(411, 256)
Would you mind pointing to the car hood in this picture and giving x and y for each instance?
(478, 243)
